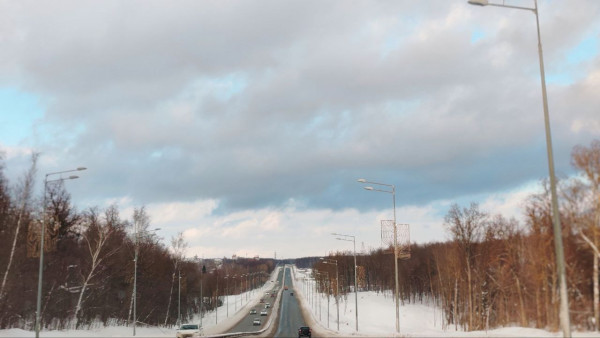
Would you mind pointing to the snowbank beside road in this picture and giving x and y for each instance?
(377, 316)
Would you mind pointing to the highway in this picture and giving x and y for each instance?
(246, 325)
(290, 315)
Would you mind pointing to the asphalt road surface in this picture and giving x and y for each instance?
(246, 325)
(290, 316)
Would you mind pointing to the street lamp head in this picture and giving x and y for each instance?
(368, 188)
(81, 168)
(72, 177)
(478, 2)
(361, 180)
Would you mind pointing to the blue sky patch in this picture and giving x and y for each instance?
(227, 86)
(476, 35)
(18, 113)
(560, 78)
(586, 50)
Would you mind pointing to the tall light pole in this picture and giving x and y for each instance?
(202, 272)
(234, 300)
(217, 299)
(179, 299)
(241, 295)
(353, 240)
(42, 235)
(393, 192)
(337, 287)
(135, 260)
(227, 294)
(326, 273)
(247, 283)
(318, 295)
(556, 226)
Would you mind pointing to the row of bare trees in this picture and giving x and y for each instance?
(497, 271)
(89, 265)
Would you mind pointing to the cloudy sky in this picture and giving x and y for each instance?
(245, 124)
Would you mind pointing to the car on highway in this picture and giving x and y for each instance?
(267, 305)
(256, 321)
(187, 330)
(304, 331)
(291, 293)
(253, 311)
(264, 313)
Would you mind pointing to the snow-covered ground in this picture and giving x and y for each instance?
(377, 316)
(212, 322)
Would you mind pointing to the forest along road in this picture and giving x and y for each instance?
(290, 317)
(246, 325)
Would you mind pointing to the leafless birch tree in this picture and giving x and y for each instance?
(24, 195)
(178, 246)
(588, 161)
(96, 237)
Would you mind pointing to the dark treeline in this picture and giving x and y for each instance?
(496, 271)
(89, 265)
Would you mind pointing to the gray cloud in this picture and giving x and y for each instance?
(259, 103)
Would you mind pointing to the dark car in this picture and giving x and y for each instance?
(291, 293)
(304, 331)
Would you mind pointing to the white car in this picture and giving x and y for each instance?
(187, 330)
(256, 321)
(264, 313)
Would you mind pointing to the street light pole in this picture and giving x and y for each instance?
(317, 284)
(179, 300)
(393, 192)
(556, 226)
(227, 294)
(337, 288)
(234, 300)
(42, 235)
(217, 299)
(241, 296)
(353, 240)
(247, 282)
(202, 271)
(135, 259)
(328, 284)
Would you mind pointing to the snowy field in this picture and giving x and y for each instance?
(377, 316)
(233, 309)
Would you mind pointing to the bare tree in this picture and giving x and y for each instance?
(588, 161)
(96, 237)
(178, 245)
(141, 222)
(466, 226)
(24, 193)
